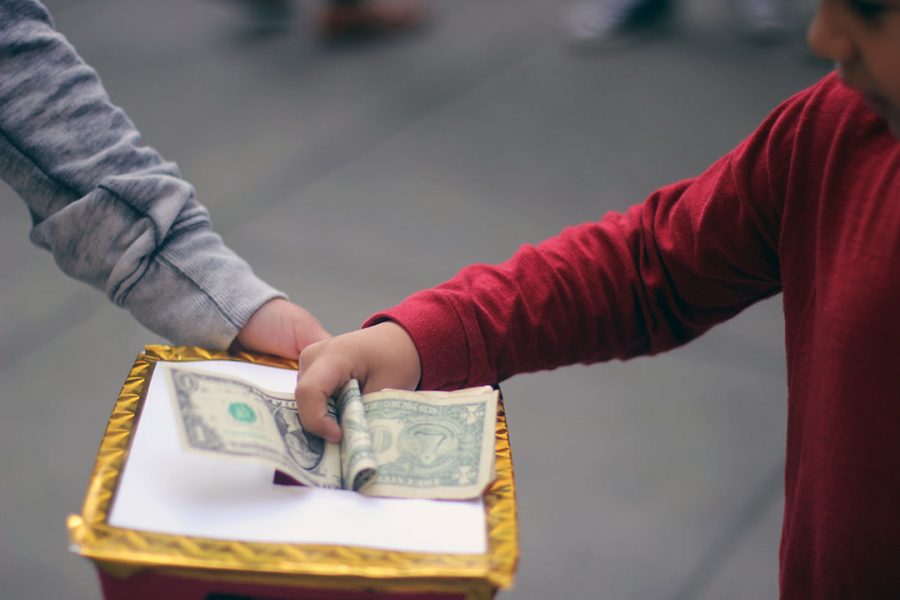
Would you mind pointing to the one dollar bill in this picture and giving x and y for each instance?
(394, 443)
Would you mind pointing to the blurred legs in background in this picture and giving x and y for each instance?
(351, 18)
(605, 23)
(340, 18)
(762, 20)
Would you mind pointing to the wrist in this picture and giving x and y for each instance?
(404, 356)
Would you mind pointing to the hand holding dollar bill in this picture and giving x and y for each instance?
(394, 443)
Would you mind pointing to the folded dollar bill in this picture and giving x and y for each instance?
(394, 443)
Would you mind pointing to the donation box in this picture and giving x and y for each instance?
(161, 522)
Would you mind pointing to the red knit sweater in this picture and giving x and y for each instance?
(808, 205)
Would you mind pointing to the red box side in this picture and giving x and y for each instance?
(150, 585)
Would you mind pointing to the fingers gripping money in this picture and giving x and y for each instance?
(393, 443)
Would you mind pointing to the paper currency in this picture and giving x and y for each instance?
(394, 443)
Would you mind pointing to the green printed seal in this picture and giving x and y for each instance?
(242, 412)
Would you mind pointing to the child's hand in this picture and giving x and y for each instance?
(281, 328)
(381, 356)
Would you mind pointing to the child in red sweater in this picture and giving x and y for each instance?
(808, 206)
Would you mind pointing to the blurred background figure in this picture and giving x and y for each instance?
(340, 19)
(605, 23)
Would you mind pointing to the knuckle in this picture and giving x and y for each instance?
(305, 391)
(310, 353)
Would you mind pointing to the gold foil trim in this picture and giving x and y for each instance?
(124, 551)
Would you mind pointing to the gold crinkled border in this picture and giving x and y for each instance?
(124, 551)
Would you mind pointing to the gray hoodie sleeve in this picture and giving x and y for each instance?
(114, 213)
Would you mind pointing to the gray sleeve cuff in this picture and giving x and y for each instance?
(208, 312)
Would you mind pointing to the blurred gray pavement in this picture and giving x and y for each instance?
(351, 176)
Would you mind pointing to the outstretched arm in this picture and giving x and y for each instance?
(113, 212)
(693, 254)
